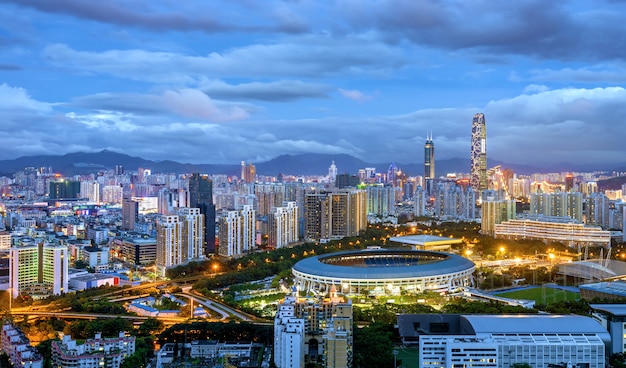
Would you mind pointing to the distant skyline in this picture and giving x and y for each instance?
(224, 81)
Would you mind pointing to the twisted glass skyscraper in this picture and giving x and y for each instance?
(478, 170)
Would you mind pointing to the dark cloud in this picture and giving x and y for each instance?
(285, 90)
(534, 28)
(10, 67)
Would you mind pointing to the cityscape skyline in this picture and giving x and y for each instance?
(230, 82)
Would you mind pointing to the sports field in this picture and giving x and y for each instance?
(407, 357)
(542, 295)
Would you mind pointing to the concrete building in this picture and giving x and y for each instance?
(381, 200)
(560, 204)
(180, 238)
(16, 345)
(283, 226)
(318, 332)
(38, 269)
(237, 232)
(561, 229)
(613, 318)
(96, 352)
(504, 340)
(495, 212)
(139, 250)
(478, 154)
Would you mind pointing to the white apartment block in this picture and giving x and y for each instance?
(90, 190)
(561, 229)
(39, 269)
(288, 336)
(237, 232)
(193, 232)
(96, 352)
(17, 346)
(169, 242)
(283, 223)
(112, 194)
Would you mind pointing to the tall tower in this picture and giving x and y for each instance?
(429, 163)
(201, 196)
(478, 157)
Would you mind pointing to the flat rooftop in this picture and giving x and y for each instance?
(425, 240)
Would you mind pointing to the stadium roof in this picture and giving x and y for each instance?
(450, 263)
(533, 323)
(618, 310)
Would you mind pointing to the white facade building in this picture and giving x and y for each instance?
(288, 336)
(39, 269)
(96, 352)
(237, 232)
(283, 223)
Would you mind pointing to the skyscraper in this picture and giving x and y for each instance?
(130, 211)
(478, 171)
(429, 163)
(201, 196)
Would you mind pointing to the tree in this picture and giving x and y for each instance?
(373, 347)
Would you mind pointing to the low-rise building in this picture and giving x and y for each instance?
(96, 352)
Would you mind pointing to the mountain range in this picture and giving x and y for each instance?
(302, 164)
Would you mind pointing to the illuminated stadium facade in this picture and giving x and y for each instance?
(384, 272)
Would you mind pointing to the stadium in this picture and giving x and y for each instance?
(384, 272)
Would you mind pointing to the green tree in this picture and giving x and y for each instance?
(373, 346)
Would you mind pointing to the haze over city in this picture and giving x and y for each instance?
(224, 81)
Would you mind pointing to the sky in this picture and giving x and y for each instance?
(220, 82)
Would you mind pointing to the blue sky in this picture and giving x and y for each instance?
(226, 81)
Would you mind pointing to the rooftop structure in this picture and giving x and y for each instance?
(426, 242)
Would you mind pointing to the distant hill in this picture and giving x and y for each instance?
(302, 164)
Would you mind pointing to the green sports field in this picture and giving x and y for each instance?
(407, 357)
(542, 295)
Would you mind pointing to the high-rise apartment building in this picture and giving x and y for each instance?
(248, 172)
(193, 232)
(39, 269)
(332, 173)
(317, 333)
(478, 157)
(169, 242)
(495, 212)
(90, 190)
(429, 164)
(568, 204)
(335, 214)
(237, 232)
(283, 225)
(180, 238)
(201, 196)
(381, 200)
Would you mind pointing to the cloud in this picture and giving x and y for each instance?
(183, 103)
(282, 90)
(310, 58)
(355, 95)
(534, 88)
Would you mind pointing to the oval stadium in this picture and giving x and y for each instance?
(384, 272)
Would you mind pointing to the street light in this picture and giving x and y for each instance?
(395, 356)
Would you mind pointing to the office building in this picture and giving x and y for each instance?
(332, 173)
(130, 212)
(64, 189)
(139, 250)
(201, 196)
(478, 157)
(429, 164)
(237, 232)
